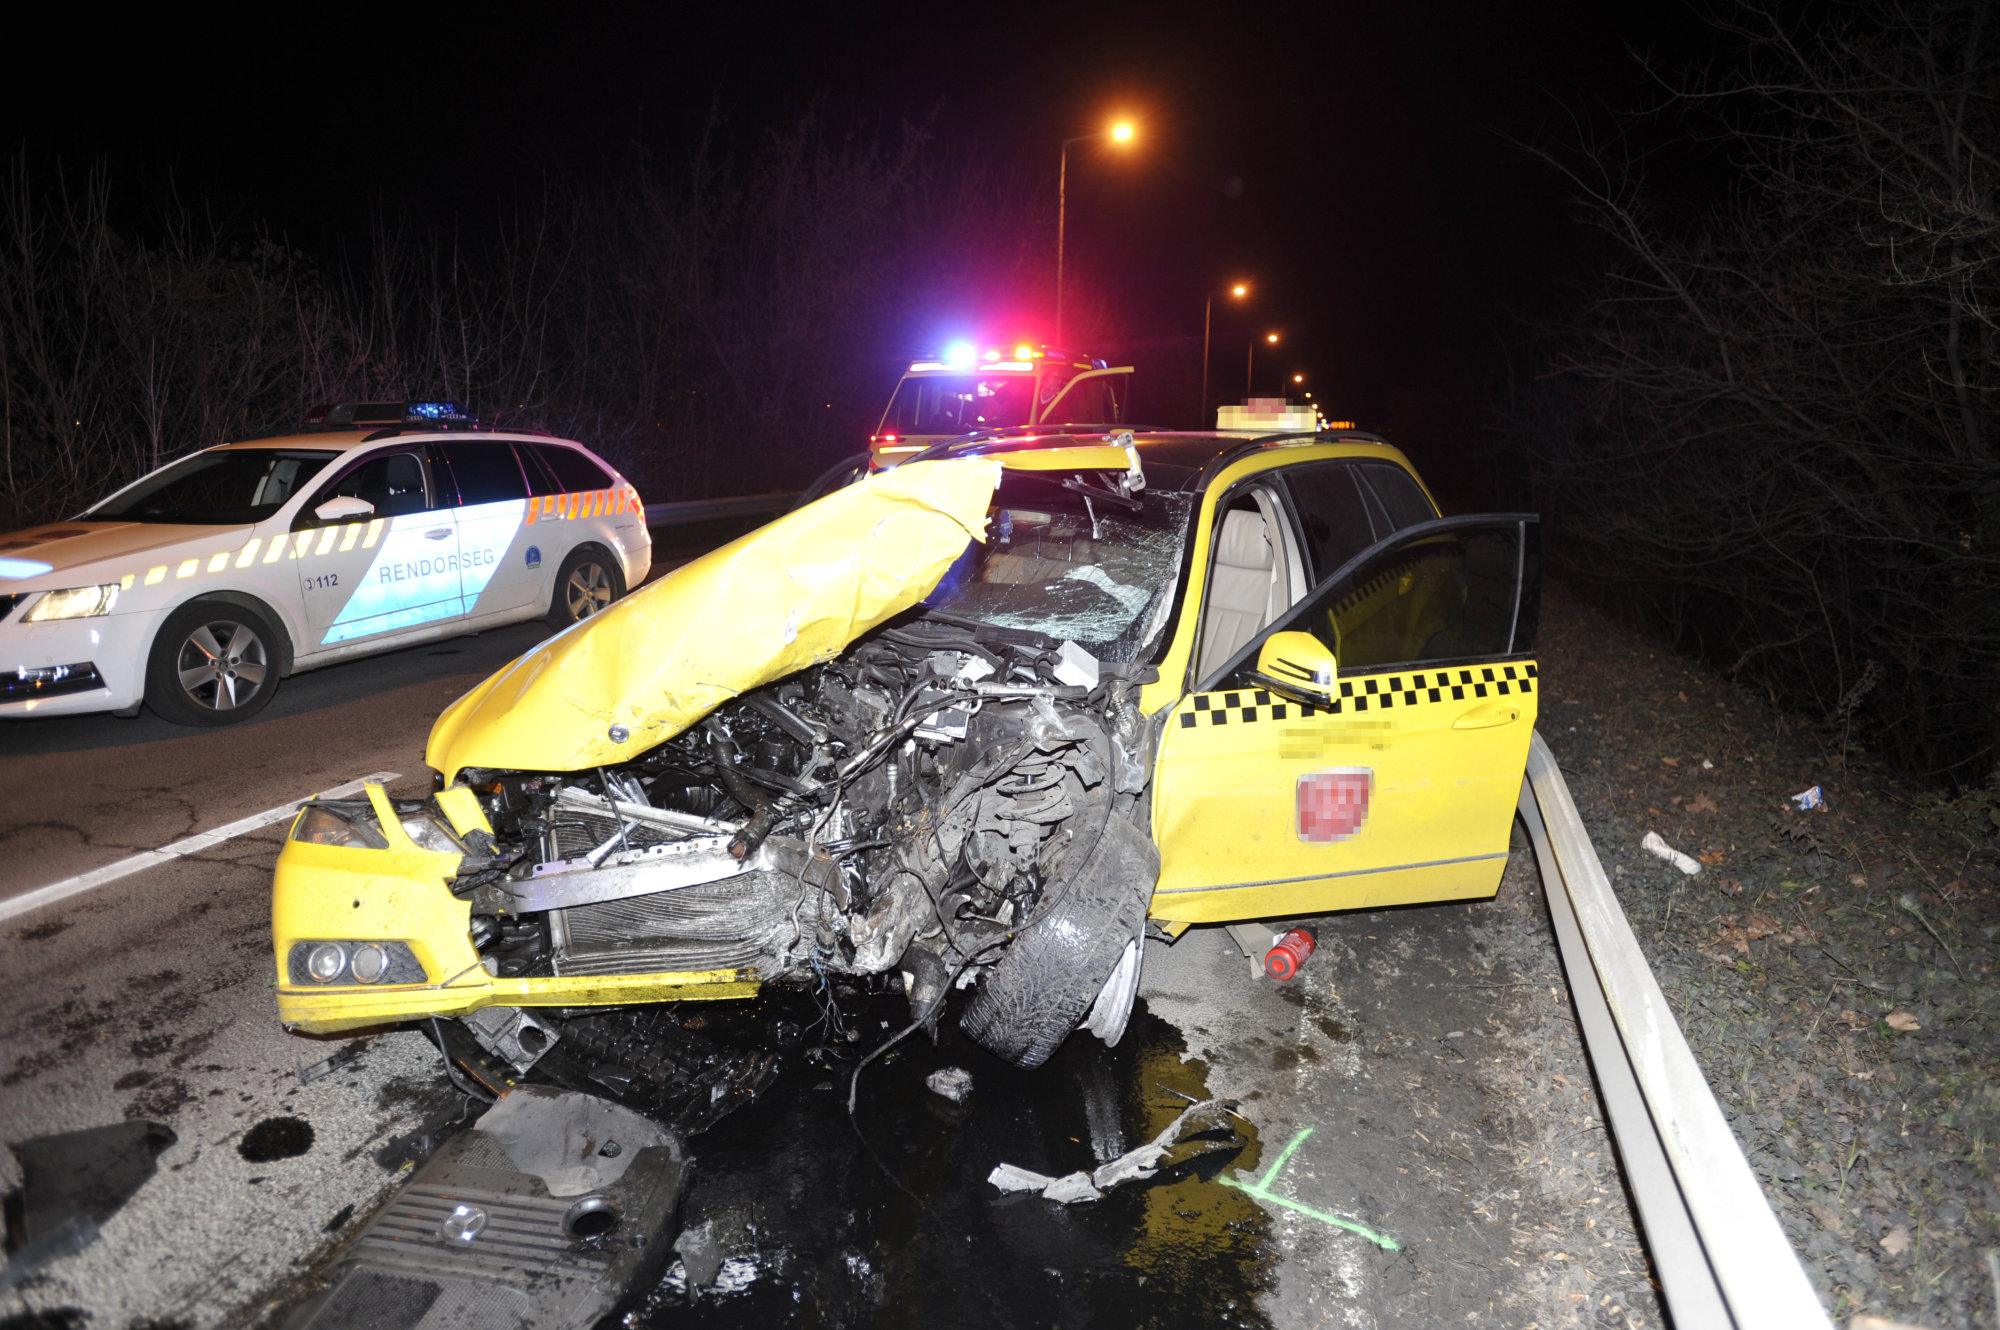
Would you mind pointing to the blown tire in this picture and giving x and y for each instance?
(1043, 986)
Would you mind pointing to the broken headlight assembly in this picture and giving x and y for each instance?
(352, 823)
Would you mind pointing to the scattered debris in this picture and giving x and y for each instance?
(1902, 1020)
(1807, 800)
(1011, 1177)
(701, 1254)
(1653, 845)
(660, 1063)
(549, 1211)
(1896, 1241)
(1137, 1164)
(329, 1065)
(954, 1083)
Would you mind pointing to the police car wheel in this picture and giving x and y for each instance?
(588, 582)
(213, 663)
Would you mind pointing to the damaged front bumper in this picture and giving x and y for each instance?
(396, 898)
(763, 768)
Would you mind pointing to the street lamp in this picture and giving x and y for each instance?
(1236, 292)
(1121, 132)
(1250, 360)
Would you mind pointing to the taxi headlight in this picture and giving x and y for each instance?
(350, 824)
(79, 602)
(431, 834)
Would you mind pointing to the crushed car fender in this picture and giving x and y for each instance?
(783, 597)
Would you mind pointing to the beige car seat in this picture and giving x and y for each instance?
(1248, 588)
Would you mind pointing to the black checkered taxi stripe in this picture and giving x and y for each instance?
(1378, 692)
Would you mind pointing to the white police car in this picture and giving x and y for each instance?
(197, 588)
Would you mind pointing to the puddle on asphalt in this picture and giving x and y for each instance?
(819, 1230)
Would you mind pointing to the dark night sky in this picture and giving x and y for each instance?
(1382, 214)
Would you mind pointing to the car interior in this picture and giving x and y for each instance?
(1255, 576)
(393, 483)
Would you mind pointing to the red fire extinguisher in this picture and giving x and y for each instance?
(1289, 952)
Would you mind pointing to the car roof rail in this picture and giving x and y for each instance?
(1236, 452)
(1063, 436)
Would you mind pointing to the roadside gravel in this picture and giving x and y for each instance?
(1833, 969)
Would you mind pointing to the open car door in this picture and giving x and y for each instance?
(1094, 397)
(1366, 748)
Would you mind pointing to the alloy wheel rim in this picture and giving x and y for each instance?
(588, 591)
(222, 665)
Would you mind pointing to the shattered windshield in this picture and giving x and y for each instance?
(1082, 563)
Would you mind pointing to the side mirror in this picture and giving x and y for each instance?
(1297, 666)
(344, 508)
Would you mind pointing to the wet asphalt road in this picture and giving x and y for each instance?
(84, 791)
(1427, 1050)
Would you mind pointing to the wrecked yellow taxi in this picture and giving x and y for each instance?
(981, 722)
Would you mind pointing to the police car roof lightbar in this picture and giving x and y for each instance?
(389, 415)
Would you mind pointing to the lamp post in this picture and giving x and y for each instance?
(1236, 292)
(1250, 360)
(1120, 132)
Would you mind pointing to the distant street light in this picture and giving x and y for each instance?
(1237, 292)
(1121, 132)
(1250, 361)
(1298, 378)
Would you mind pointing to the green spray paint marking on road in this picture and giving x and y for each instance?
(1261, 1189)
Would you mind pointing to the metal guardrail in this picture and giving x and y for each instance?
(704, 510)
(1720, 1253)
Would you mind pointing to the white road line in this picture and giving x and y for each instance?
(97, 877)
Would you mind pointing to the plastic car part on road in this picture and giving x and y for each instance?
(791, 594)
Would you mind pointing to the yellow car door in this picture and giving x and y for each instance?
(1392, 784)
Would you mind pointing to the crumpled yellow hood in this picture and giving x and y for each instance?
(785, 596)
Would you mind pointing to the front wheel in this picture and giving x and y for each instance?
(1045, 983)
(588, 582)
(213, 663)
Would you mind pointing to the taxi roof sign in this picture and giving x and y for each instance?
(1267, 415)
